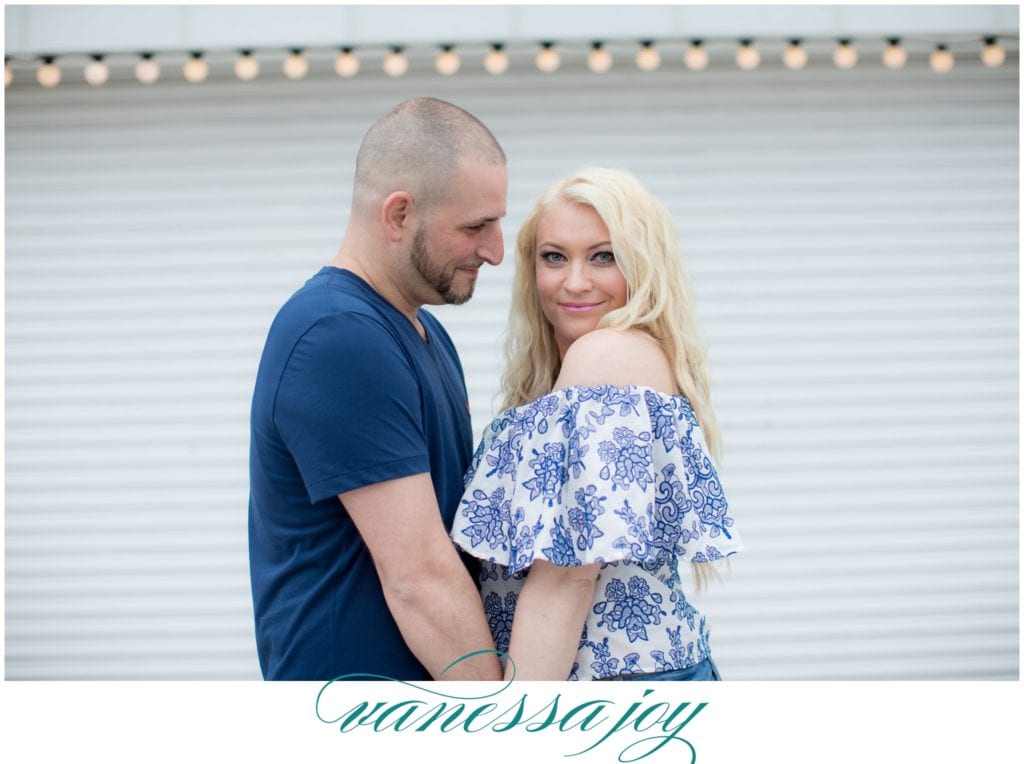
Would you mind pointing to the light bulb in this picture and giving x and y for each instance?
(548, 59)
(844, 56)
(196, 68)
(147, 71)
(96, 71)
(347, 63)
(795, 57)
(941, 60)
(447, 61)
(696, 57)
(599, 60)
(747, 57)
(992, 55)
(496, 60)
(648, 58)
(395, 63)
(894, 56)
(48, 74)
(247, 67)
(296, 66)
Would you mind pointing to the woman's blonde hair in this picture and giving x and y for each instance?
(659, 297)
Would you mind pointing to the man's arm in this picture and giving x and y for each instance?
(427, 588)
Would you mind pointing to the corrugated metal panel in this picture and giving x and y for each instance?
(853, 241)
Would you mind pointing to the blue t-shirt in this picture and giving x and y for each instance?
(348, 394)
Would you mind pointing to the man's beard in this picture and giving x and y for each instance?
(433, 275)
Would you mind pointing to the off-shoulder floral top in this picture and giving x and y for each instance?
(617, 476)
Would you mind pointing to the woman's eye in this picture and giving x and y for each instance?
(604, 257)
(552, 257)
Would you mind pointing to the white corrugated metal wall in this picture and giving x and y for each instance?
(852, 236)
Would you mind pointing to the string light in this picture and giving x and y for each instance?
(147, 71)
(447, 61)
(48, 73)
(941, 60)
(992, 55)
(96, 72)
(747, 57)
(496, 60)
(795, 57)
(395, 63)
(548, 59)
(196, 68)
(296, 66)
(599, 60)
(696, 57)
(246, 66)
(844, 56)
(648, 59)
(346, 64)
(894, 56)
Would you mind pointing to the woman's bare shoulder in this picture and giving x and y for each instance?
(616, 357)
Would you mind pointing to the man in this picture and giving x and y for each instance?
(360, 421)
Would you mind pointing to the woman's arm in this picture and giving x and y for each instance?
(550, 613)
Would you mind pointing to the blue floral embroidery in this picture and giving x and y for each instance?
(488, 518)
(499, 617)
(568, 419)
(639, 548)
(488, 572)
(549, 473)
(680, 656)
(686, 411)
(604, 664)
(631, 664)
(682, 609)
(631, 455)
(562, 552)
(521, 551)
(506, 455)
(663, 420)
(631, 610)
(583, 517)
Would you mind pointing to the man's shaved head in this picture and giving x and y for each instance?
(417, 147)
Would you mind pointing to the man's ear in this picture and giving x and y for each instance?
(396, 212)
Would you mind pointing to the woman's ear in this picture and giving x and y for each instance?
(396, 214)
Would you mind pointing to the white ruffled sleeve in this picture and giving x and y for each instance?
(595, 474)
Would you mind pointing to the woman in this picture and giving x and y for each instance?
(596, 480)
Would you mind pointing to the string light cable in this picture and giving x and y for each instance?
(896, 52)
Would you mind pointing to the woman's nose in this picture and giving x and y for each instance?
(577, 279)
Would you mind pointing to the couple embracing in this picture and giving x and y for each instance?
(380, 544)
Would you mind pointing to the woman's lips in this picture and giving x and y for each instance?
(579, 307)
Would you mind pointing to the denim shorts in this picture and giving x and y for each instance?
(705, 671)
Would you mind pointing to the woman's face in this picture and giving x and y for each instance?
(578, 281)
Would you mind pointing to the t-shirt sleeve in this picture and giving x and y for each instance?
(348, 407)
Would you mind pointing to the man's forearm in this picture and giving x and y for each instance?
(441, 619)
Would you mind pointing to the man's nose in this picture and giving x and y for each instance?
(492, 247)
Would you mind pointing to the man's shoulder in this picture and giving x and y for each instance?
(331, 300)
